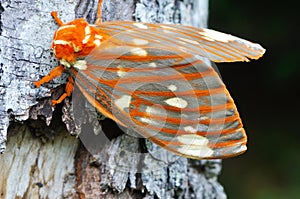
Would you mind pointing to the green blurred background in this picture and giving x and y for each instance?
(267, 95)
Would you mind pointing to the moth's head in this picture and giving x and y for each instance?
(74, 40)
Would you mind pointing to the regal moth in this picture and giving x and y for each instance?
(152, 79)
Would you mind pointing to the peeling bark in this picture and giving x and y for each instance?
(42, 159)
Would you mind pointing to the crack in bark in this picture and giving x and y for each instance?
(1, 11)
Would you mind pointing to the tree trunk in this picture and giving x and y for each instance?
(41, 158)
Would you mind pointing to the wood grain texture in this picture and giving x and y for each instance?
(56, 165)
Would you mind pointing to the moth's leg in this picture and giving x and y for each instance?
(55, 17)
(55, 72)
(68, 91)
(99, 14)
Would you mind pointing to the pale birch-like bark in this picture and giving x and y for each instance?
(42, 159)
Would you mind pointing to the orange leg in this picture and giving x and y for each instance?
(68, 91)
(99, 16)
(55, 17)
(55, 72)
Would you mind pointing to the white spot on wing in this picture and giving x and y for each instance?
(193, 139)
(242, 148)
(140, 25)
(121, 72)
(203, 117)
(65, 63)
(213, 35)
(177, 102)
(148, 120)
(153, 64)
(196, 151)
(139, 51)
(98, 36)
(123, 102)
(190, 129)
(151, 110)
(97, 42)
(172, 87)
(80, 65)
(140, 41)
(194, 145)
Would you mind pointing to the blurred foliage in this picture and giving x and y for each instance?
(267, 95)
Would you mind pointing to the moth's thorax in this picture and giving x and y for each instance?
(74, 41)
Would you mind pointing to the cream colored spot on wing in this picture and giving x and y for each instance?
(195, 145)
(80, 65)
(190, 129)
(213, 35)
(172, 87)
(123, 102)
(242, 148)
(140, 25)
(152, 110)
(153, 64)
(139, 51)
(97, 42)
(193, 139)
(177, 102)
(65, 63)
(121, 72)
(98, 36)
(203, 117)
(140, 41)
(148, 120)
(196, 151)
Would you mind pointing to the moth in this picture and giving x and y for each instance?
(152, 79)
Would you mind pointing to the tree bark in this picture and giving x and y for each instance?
(41, 158)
